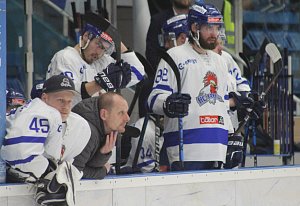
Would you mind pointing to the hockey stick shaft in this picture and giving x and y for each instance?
(165, 56)
(140, 143)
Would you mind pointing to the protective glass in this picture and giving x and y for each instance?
(106, 43)
(211, 28)
(17, 102)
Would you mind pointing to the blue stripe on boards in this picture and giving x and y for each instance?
(23, 161)
(200, 135)
(137, 73)
(24, 139)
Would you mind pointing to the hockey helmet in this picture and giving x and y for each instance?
(14, 98)
(175, 26)
(37, 89)
(93, 27)
(204, 14)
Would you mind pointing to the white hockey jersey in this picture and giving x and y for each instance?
(238, 83)
(33, 132)
(76, 135)
(241, 82)
(69, 62)
(205, 129)
(146, 159)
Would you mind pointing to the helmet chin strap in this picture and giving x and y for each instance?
(83, 48)
(196, 40)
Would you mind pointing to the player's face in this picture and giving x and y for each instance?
(116, 118)
(94, 51)
(62, 101)
(209, 36)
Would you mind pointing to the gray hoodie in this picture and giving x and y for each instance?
(90, 160)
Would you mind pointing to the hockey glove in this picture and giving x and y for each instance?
(234, 155)
(241, 101)
(257, 109)
(114, 76)
(177, 105)
(126, 73)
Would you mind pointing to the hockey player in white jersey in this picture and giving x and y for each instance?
(90, 65)
(34, 131)
(147, 157)
(42, 139)
(202, 101)
(174, 33)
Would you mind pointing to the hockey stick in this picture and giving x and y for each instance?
(165, 56)
(140, 142)
(276, 58)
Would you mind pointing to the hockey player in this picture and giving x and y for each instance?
(174, 31)
(43, 138)
(14, 99)
(90, 66)
(202, 100)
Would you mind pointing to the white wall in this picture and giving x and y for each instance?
(248, 187)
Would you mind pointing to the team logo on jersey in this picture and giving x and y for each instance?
(209, 92)
(65, 83)
(211, 119)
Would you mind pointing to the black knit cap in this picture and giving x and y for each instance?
(58, 83)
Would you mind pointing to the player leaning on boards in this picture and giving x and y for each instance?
(107, 116)
(42, 139)
(90, 65)
(203, 94)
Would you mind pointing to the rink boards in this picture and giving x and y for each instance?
(248, 187)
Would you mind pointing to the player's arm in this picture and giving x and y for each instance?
(81, 161)
(163, 86)
(54, 140)
(137, 69)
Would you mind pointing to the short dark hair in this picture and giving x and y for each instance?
(106, 100)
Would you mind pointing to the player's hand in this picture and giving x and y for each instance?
(241, 101)
(257, 109)
(107, 166)
(126, 73)
(114, 76)
(177, 105)
(109, 143)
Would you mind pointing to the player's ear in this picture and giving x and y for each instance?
(181, 39)
(44, 97)
(103, 114)
(194, 27)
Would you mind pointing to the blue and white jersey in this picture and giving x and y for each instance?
(33, 132)
(146, 159)
(242, 83)
(69, 62)
(205, 128)
(236, 84)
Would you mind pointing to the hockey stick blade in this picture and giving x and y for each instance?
(273, 52)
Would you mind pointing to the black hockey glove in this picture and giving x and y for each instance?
(234, 155)
(126, 73)
(114, 76)
(177, 105)
(257, 109)
(241, 101)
